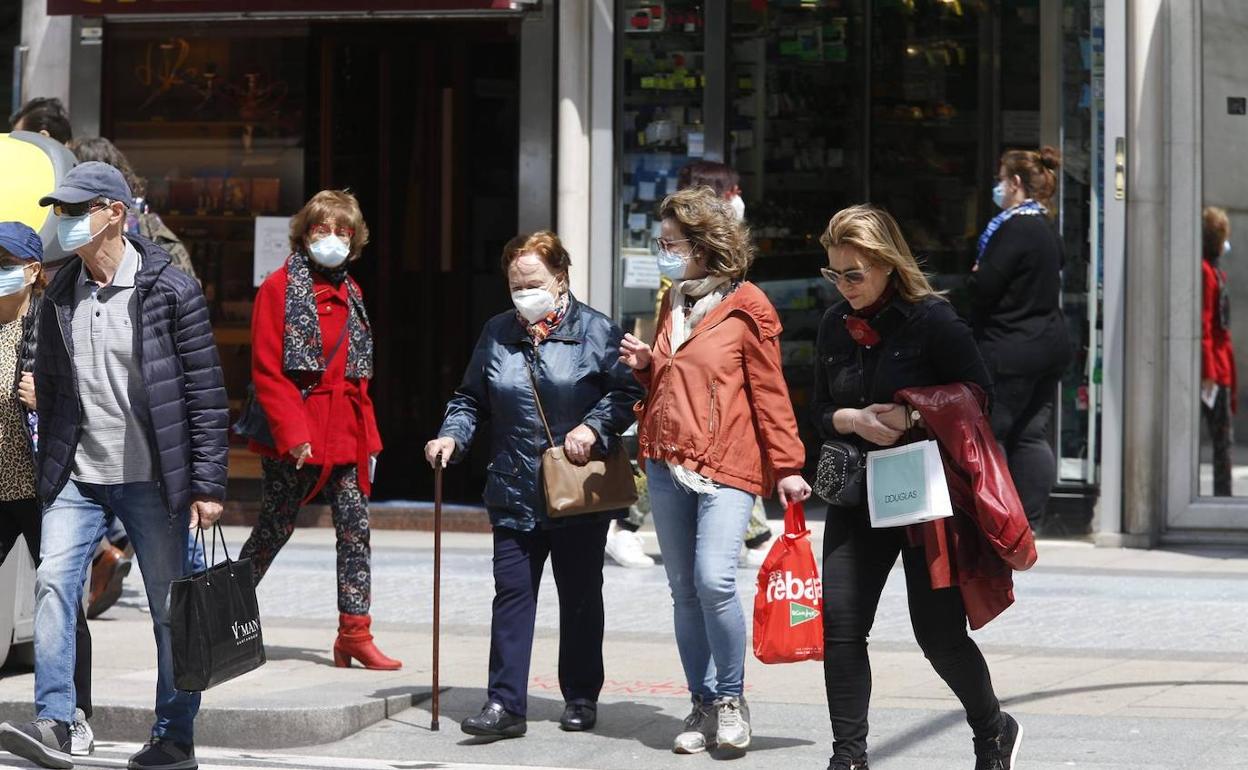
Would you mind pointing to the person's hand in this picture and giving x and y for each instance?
(635, 353)
(892, 415)
(578, 444)
(301, 453)
(866, 423)
(204, 513)
(439, 446)
(793, 489)
(26, 390)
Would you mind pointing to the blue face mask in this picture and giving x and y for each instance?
(75, 232)
(998, 195)
(329, 251)
(12, 280)
(672, 265)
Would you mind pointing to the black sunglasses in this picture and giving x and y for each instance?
(78, 209)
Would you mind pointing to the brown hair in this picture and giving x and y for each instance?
(1038, 172)
(720, 177)
(544, 244)
(41, 276)
(1215, 228)
(339, 204)
(710, 223)
(875, 233)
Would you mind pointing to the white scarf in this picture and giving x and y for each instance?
(709, 291)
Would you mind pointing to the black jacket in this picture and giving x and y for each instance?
(186, 413)
(1016, 299)
(922, 344)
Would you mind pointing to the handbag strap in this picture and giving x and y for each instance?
(795, 520)
(538, 398)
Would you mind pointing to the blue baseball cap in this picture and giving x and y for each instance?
(21, 241)
(88, 181)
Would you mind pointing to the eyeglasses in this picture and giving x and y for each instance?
(78, 209)
(323, 229)
(663, 244)
(850, 277)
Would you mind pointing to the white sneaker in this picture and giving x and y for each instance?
(733, 728)
(699, 732)
(754, 557)
(82, 738)
(625, 548)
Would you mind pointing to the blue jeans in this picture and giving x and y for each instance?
(114, 531)
(73, 524)
(700, 538)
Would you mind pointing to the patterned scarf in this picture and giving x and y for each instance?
(1028, 207)
(302, 347)
(541, 329)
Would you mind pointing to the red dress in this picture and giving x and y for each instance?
(342, 430)
(1217, 354)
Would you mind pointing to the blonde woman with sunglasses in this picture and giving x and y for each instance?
(891, 331)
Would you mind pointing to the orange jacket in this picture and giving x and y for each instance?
(720, 406)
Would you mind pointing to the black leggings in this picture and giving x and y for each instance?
(1021, 414)
(856, 563)
(25, 518)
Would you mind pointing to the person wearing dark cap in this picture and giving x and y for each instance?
(133, 419)
(44, 115)
(22, 282)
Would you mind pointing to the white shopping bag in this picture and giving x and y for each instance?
(906, 485)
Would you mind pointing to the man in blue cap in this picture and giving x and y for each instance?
(132, 420)
(22, 282)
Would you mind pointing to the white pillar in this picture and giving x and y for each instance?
(573, 164)
(48, 40)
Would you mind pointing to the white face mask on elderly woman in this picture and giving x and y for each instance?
(533, 304)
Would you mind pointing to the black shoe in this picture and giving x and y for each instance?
(841, 763)
(495, 722)
(164, 754)
(579, 716)
(999, 751)
(43, 741)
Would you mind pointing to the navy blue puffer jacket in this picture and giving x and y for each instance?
(186, 412)
(581, 380)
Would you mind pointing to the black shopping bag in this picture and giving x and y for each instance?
(215, 621)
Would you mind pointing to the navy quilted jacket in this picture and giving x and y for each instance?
(186, 414)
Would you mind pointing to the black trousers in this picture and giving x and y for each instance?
(1218, 421)
(856, 562)
(25, 518)
(519, 557)
(1021, 413)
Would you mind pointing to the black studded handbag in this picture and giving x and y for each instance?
(841, 476)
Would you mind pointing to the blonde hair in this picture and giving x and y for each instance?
(875, 233)
(1215, 228)
(709, 222)
(339, 204)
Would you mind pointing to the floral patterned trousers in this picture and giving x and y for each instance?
(283, 488)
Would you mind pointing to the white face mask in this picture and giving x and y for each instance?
(738, 207)
(329, 252)
(533, 304)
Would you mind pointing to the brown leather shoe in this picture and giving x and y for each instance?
(108, 572)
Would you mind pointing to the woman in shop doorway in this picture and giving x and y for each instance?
(716, 429)
(1016, 287)
(569, 352)
(1218, 382)
(311, 361)
(891, 331)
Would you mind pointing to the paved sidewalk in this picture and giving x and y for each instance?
(1110, 658)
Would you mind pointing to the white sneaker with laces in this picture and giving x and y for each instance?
(699, 732)
(733, 729)
(81, 737)
(624, 547)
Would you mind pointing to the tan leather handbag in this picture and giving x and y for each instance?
(599, 485)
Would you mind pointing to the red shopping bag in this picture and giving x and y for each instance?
(788, 609)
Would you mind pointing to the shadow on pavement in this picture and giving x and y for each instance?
(304, 654)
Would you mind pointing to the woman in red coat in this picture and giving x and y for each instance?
(312, 358)
(1218, 393)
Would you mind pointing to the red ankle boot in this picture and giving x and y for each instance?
(356, 641)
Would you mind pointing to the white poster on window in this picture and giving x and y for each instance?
(641, 272)
(272, 246)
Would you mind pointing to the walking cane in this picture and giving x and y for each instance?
(437, 579)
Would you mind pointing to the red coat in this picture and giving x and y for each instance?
(342, 432)
(1217, 355)
(988, 537)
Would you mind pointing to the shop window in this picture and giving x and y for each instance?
(214, 123)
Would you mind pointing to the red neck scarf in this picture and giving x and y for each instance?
(858, 321)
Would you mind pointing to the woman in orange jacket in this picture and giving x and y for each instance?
(716, 429)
